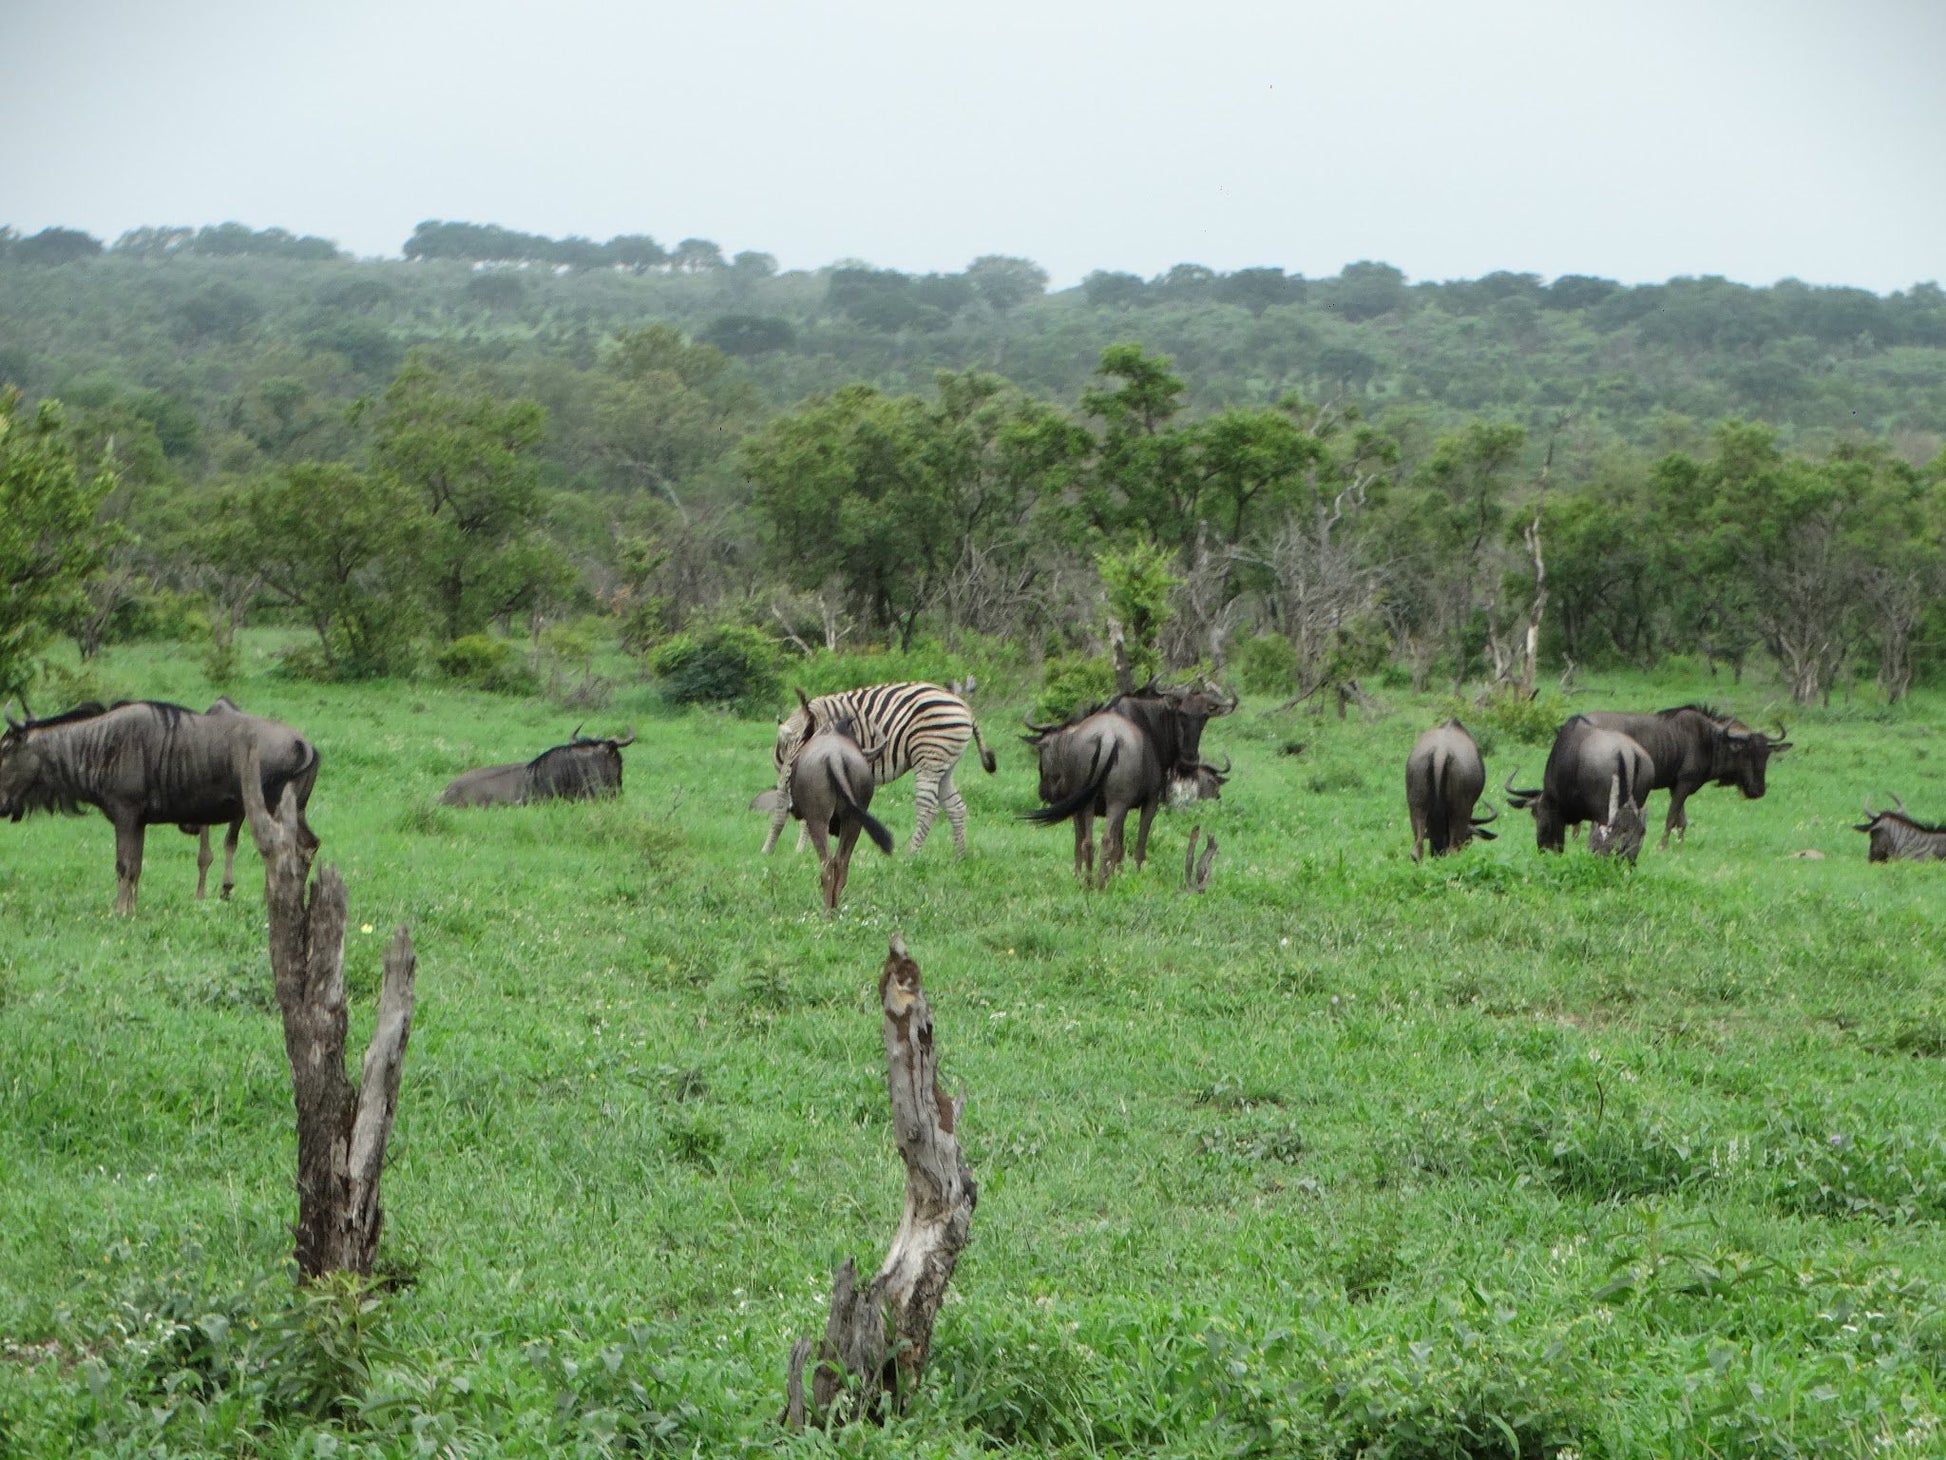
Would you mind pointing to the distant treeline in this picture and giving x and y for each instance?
(1313, 480)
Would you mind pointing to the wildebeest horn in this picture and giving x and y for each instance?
(1493, 814)
(1870, 815)
(1899, 806)
(1518, 799)
(576, 733)
(628, 738)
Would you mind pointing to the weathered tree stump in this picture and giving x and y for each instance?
(877, 1338)
(1195, 874)
(342, 1129)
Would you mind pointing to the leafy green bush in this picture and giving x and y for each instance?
(1072, 683)
(480, 661)
(1266, 664)
(1531, 722)
(726, 665)
(995, 665)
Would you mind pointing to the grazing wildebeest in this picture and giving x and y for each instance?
(144, 762)
(1593, 775)
(1444, 776)
(1120, 757)
(1205, 783)
(830, 790)
(915, 727)
(584, 769)
(1693, 746)
(1896, 837)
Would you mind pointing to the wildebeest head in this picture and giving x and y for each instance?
(29, 782)
(582, 769)
(1203, 783)
(1746, 755)
(1898, 837)
(1621, 833)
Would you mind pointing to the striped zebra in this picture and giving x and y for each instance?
(907, 727)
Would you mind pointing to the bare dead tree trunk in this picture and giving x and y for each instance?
(1531, 535)
(877, 1338)
(342, 1129)
(1118, 648)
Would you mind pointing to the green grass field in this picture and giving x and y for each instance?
(1502, 1155)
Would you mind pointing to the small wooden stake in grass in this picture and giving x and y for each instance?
(341, 1128)
(1195, 875)
(876, 1340)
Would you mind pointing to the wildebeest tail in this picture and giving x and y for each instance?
(1068, 805)
(874, 828)
(1439, 820)
(986, 756)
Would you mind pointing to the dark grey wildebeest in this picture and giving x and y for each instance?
(1593, 775)
(1897, 837)
(1122, 756)
(829, 789)
(1693, 746)
(1444, 777)
(584, 769)
(146, 763)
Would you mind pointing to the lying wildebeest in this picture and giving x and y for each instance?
(582, 770)
(1444, 776)
(1593, 775)
(830, 789)
(1121, 756)
(1896, 837)
(144, 763)
(1693, 746)
(1205, 783)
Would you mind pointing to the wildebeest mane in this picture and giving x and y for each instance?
(1912, 821)
(1707, 711)
(85, 711)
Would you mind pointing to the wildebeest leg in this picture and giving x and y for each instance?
(203, 858)
(1142, 833)
(928, 795)
(1114, 829)
(129, 839)
(1418, 836)
(815, 831)
(1084, 845)
(1677, 820)
(229, 859)
(841, 864)
(955, 805)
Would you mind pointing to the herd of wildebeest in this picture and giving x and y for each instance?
(145, 763)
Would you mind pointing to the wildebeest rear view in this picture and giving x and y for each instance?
(583, 769)
(146, 762)
(830, 790)
(1119, 757)
(1444, 776)
(1592, 775)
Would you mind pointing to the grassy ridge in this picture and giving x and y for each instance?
(1345, 1153)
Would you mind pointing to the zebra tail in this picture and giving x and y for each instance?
(986, 756)
(1067, 806)
(874, 828)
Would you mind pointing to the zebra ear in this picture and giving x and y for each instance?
(810, 719)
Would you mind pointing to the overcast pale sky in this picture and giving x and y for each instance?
(1636, 139)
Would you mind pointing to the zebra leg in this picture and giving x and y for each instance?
(955, 811)
(928, 789)
(777, 820)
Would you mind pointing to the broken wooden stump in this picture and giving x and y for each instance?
(342, 1129)
(1195, 874)
(876, 1339)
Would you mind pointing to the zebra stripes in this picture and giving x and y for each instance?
(920, 727)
